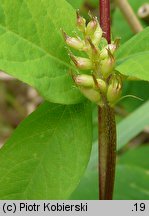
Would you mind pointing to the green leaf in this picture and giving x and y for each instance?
(131, 183)
(76, 4)
(135, 66)
(120, 26)
(132, 125)
(47, 154)
(88, 187)
(133, 172)
(137, 88)
(131, 179)
(32, 48)
(136, 157)
(132, 57)
(138, 43)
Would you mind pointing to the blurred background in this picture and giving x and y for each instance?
(17, 100)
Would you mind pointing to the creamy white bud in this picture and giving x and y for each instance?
(73, 42)
(85, 80)
(81, 63)
(114, 90)
(107, 66)
(97, 35)
(91, 94)
(81, 22)
(91, 27)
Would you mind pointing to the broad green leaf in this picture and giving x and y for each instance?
(135, 66)
(132, 125)
(138, 43)
(47, 154)
(32, 48)
(76, 4)
(120, 26)
(132, 57)
(131, 179)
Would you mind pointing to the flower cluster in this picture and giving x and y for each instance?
(103, 85)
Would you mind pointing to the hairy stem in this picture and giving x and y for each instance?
(107, 151)
(106, 125)
(129, 15)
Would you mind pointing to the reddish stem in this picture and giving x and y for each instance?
(106, 125)
(104, 11)
(107, 151)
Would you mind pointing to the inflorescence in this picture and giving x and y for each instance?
(103, 85)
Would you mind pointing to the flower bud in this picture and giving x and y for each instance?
(81, 63)
(85, 80)
(91, 94)
(91, 27)
(102, 85)
(94, 50)
(114, 90)
(97, 35)
(73, 42)
(111, 47)
(81, 22)
(107, 65)
(104, 51)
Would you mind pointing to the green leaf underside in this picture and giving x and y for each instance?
(136, 66)
(138, 43)
(131, 178)
(136, 157)
(47, 154)
(132, 125)
(132, 57)
(32, 48)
